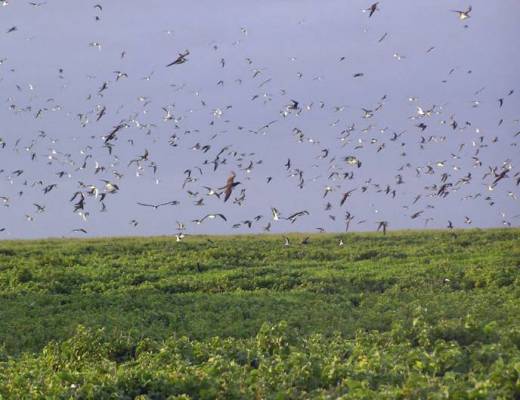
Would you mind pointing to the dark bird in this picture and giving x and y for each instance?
(39, 208)
(372, 9)
(48, 188)
(101, 113)
(346, 195)
(293, 105)
(112, 135)
(383, 37)
(296, 215)
(181, 59)
(417, 214)
(382, 225)
(422, 126)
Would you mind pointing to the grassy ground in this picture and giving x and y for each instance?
(428, 314)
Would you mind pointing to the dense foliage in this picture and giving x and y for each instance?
(407, 315)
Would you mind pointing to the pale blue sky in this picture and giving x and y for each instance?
(296, 46)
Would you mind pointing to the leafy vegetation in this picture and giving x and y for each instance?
(408, 315)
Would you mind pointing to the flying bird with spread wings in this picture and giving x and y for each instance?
(463, 14)
(230, 184)
(181, 59)
(156, 206)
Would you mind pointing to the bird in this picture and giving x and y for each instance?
(156, 206)
(293, 105)
(382, 225)
(296, 215)
(345, 196)
(110, 187)
(463, 14)
(230, 184)
(39, 208)
(181, 59)
(48, 188)
(372, 9)
(212, 216)
(212, 192)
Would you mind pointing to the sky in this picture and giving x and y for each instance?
(418, 96)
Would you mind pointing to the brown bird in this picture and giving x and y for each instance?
(230, 184)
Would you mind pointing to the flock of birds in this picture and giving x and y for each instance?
(97, 171)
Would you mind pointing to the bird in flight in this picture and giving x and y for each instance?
(181, 59)
(372, 9)
(230, 184)
(346, 195)
(110, 187)
(463, 14)
(211, 216)
(296, 215)
(156, 206)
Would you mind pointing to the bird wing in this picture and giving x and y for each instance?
(222, 216)
(168, 203)
(229, 187)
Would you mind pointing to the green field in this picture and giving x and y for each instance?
(409, 315)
